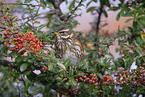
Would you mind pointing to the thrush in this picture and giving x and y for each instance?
(67, 47)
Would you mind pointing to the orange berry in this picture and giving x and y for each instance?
(76, 79)
(34, 36)
(120, 75)
(9, 42)
(32, 48)
(5, 17)
(45, 68)
(24, 50)
(73, 92)
(96, 84)
(91, 75)
(117, 76)
(14, 39)
(121, 51)
(37, 50)
(81, 79)
(132, 47)
(30, 33)
(87, 79)
(30, 39)
(16, 35)
(90, 81)
(85, 76)
(7, 30)
(34, 40)
(5, 43)
(20, 35)
(115, 91)
(94, 75)
(127, 78)
(6, 33)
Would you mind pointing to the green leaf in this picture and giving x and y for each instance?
(18, 60)
(104, 25)
(99, 75)
(41, 26)
(0, 35)
(88, 4)
(27, 1)
(128, 20)
(118, 15)
(141, 26)
(52, 53)
(127, 15)
(91, 9)
(95, 1)
(72, 5)
(21, 50)
(4, 78)
(99, 61)
(67, 62)
(37, 1)
(66, 2)
(33, 90)
(23, 67)
(72, 81)
(2, 70)
(61, 65)
(114, 8)
(105, 13)
(50, 65)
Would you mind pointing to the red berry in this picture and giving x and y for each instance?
(5, 17)
(45, 68)
(5, 43)
(9, 42)
(16, 35)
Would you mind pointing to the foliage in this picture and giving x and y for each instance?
(25, 49)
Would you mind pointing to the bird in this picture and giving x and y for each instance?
(67, 47)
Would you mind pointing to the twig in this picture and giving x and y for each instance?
(97, 28)
(56, 5)
(73, 11)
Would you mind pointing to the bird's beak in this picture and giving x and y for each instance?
(56, 33)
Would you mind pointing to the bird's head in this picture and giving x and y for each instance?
(63, 34)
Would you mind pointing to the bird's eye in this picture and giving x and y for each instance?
(61, 32)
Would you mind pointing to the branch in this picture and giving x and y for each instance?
(97, 28)
(73, 11)
(56, 5)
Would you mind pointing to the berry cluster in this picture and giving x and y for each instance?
(23, 42)
(93, 79)
(70, 92)
(135, 77)
(87, 79)
(124, 77)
